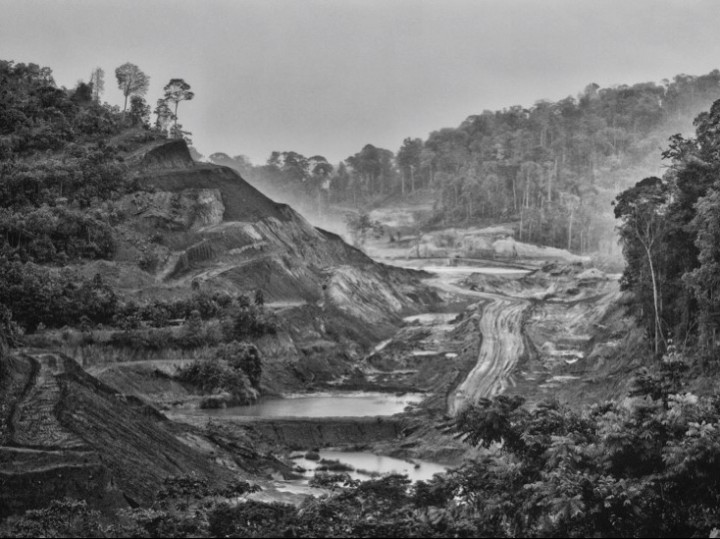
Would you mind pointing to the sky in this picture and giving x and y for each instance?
(329, 76)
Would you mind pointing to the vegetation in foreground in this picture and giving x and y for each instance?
(646, 467)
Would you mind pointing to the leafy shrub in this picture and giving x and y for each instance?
(148, 262)
(54, 235)
(250, 321)
(55, 298)
(215, 376)
(62, 518)
(243, 356)
(250, 519)
(329, 480)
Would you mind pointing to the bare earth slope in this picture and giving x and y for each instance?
(63, 433)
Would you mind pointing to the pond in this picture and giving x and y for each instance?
(368, 465)
(345, 404)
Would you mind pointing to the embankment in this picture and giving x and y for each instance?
(302, 432)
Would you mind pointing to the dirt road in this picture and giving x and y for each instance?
(502, 345)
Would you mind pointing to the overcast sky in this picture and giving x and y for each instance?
(329, 76)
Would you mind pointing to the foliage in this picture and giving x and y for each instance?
(85, 174)
(132, 81)
(250, 321)
(360, 224)
(647, 467)
(62, 518)
(242, 356)
(139, 112)
(553, 168)
(55, 235)
(36, 116)
(669, 228)
(250, 519)
(177, 90)
(9, 330)
(97, 81)
(215, 376)
(55, 298)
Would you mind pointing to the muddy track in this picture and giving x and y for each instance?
(502, 345)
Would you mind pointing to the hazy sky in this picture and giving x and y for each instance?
(327, 77)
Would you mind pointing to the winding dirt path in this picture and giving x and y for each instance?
(502, 345)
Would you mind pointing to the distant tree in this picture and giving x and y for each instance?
(374, 169)
(83, 92)
(318, 184)
(97, 79)
(131, 81)
(359, 225)
(163, 115)
(294, 166)
(139, 111)
(175, 91)
(409, 161)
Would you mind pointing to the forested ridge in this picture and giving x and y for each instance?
(646, 466)
(552, 168)
(65, 162)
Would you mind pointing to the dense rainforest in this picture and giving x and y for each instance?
(552, 168)
(647, 466)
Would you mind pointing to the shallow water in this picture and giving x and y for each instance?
(348, 404)
(417, 470)
(463, 270)
(431, 318)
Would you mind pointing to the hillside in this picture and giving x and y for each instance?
(63, 433)
(121, 255)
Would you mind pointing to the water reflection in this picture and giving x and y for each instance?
(367, 465)
(350, 404)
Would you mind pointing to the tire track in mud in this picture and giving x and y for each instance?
(502, 345)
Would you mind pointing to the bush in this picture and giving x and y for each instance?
(250, 321)
(250, 519)
(243, 356)
(55, 298)
(62, 518)
(55, 235)
(215, 376)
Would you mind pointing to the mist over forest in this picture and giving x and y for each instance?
(555, 167)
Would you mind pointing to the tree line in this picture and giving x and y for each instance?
(670, 230)
(553, 168)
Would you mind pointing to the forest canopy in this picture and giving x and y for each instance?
(552, 168)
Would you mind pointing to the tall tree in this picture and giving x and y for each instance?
(97, 79)
(163, 115)
(131, 81)
(643, 210)
(175, 91)
(139, 111)
(409, 161)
